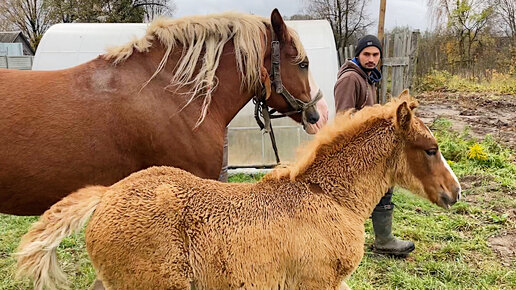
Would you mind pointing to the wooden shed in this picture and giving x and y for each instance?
(17, 37)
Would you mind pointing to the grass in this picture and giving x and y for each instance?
(452, 248)
(444, 81)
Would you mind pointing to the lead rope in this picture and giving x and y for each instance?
(261, 109)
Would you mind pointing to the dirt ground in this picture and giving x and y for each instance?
(482, 190)
(484, 114)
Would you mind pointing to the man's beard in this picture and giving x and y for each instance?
(367, 69)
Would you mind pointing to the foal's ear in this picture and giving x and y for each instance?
(403, 116)
(405, 96)
(279, 26)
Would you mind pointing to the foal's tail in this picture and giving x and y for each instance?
(37, 251)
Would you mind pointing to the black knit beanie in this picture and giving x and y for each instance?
(366, 41)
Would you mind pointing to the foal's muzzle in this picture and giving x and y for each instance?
(446, 201)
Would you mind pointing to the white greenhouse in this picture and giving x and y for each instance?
(67, 45)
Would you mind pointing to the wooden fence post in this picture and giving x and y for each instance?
(385, 70)
(400, 63)
(413, 59)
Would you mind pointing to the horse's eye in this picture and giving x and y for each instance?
(303, 65)
(431, 152)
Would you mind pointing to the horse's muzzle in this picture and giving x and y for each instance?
(311, 114)
(446, 201)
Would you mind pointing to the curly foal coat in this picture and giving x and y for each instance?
(300, 227)
(172, 228)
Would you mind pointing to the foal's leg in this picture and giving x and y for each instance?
(344, 286)
(97, 285)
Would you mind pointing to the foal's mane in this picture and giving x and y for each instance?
(204, 37)
(344, 124)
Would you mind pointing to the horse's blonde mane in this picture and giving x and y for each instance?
(347, 123)
(205, 36)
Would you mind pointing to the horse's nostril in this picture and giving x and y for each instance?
(313, 118)
(446, 199)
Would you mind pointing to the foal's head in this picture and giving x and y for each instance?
(295, 77)
(422, 168)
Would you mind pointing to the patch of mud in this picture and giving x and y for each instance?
(484, 114)
(482, 190)
(472, 181)
(504, 245)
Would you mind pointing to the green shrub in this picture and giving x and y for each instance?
(434, 81)
(469, 156)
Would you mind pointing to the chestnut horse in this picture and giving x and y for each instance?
(164, 99)
(300, 227)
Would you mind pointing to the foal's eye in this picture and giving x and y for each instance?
(303, 65)
(431, 152)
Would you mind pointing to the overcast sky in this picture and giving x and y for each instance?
(412, 13)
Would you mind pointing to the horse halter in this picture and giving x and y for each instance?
(262, 109)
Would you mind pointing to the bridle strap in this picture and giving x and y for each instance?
(297, 105)
(261, 108)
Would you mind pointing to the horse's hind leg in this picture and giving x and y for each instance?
(97, 285)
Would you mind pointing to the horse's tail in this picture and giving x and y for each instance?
(37, 251)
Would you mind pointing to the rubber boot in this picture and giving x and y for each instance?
(384, 242)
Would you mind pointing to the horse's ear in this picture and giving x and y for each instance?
(403, 116)
(279, 26)
(405, 94)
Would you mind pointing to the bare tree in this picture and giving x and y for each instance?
(156, 8)
(299, 17)
(5, 25)
(506, 11)
(465, 19)
(27, 16)
(346, 17)
(69, 11)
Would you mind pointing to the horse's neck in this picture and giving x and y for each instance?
(229, 97)
(358, 172)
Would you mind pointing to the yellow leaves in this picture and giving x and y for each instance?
(476, 151)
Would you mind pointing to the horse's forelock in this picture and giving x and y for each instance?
(296, 42)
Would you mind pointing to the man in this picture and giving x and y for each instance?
(355, 88)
